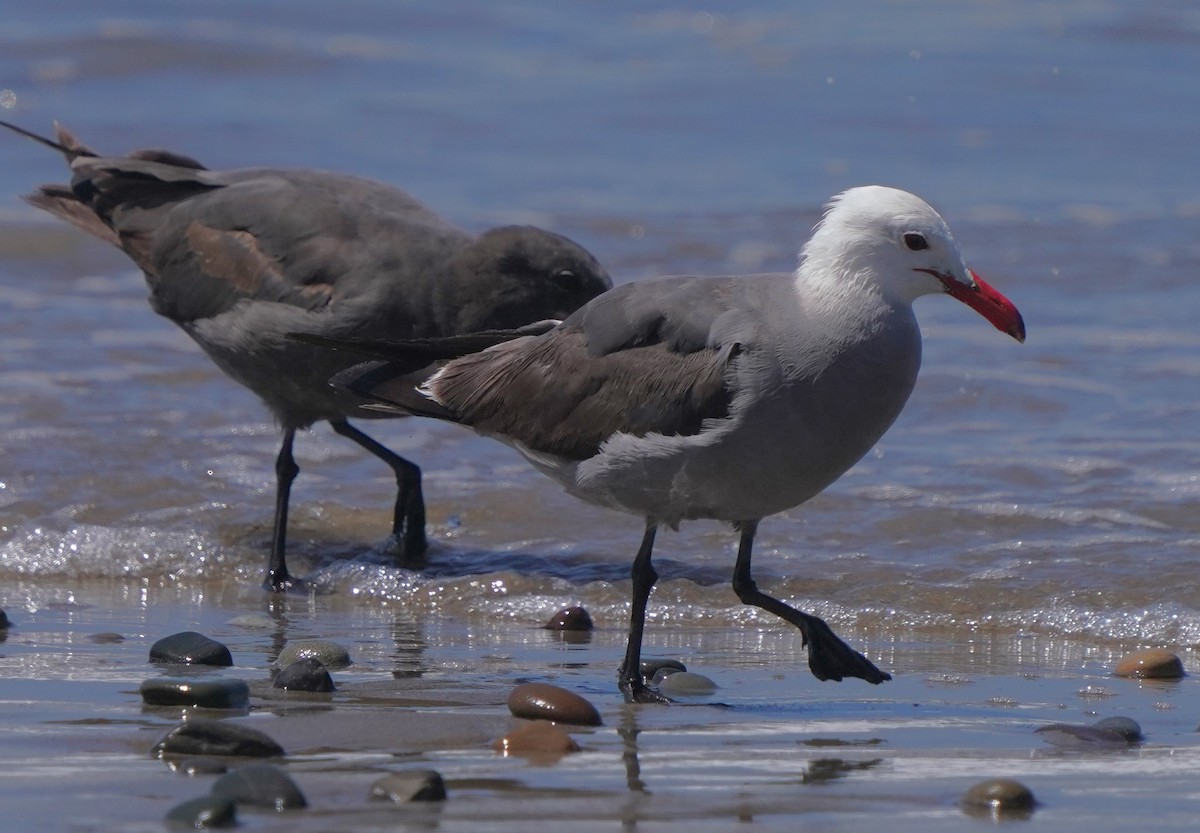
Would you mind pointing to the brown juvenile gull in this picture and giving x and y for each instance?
(239, 258)
(729, 398)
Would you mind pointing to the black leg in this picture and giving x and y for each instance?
(829, 658)
(408, 519)
(286, 470)
(629, 678)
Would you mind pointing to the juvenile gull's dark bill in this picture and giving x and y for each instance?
(240, 258)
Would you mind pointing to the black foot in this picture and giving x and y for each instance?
(829, 658)
(639, 692)
(410, 556)
(286, 584)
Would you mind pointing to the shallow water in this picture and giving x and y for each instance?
(1032, 511)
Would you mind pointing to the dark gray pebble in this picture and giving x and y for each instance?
(651, 667)
(208, 811)
(1079, 736)
(3, 619)
(260, 785)
(1126, 727)
(411, 785)
(329, 654)
(573, 618)
(190, 648)
(191, 767)
(542, 701)
(304, 675)
(207, 694)
(215, 737)
(999, 797)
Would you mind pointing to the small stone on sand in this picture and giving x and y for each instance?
(191, 767)
(999, 796)
(684, 683)
(651, 667)
(410, 785)
(190, 648)
(216, 737)
(260, 785)
(307, 674)
(1078, 736)
(105, 638)
(542, 701)
(573, 618)
(536, 738)
(207, 694)
(3, 619)
(1126, 727)
(204, 813)
(1153, 664)
(329, 654)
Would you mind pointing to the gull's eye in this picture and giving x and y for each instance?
(915, 241)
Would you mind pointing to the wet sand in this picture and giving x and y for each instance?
(771, 745)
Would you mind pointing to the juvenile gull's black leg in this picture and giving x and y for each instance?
(829, 658)
(286, 470)
(408, 518)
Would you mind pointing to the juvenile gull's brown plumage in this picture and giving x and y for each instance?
(240, 258)
(729, 398)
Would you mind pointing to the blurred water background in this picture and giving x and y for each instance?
(1049, 488)
(1034, 510)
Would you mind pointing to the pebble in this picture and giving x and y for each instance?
(410, 785)
(1078, 736)
(304, 675)
(191, 767)
(1126, 727)
(329, 654)
(999, 796)
(3, 619)
(651, 667)
(573, 618)
(206, 694)
(216, 737)
(105, 638)
(536, 738)
(260, 785)
(190, 648)
(542, 701)
(1153, 664)
(684, 682)
(253, 621)
(202, 813)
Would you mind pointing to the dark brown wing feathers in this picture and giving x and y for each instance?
(572, 401)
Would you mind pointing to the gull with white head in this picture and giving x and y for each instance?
(729, 398)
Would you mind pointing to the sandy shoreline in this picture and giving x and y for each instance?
(771, 745)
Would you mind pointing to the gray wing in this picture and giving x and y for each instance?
(649, 357)
(304, 238)
(206, 240)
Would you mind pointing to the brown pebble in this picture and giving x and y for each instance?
(1153, 664)
(570, 619)
(536, 738)
(542, 701)
(999, 796)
